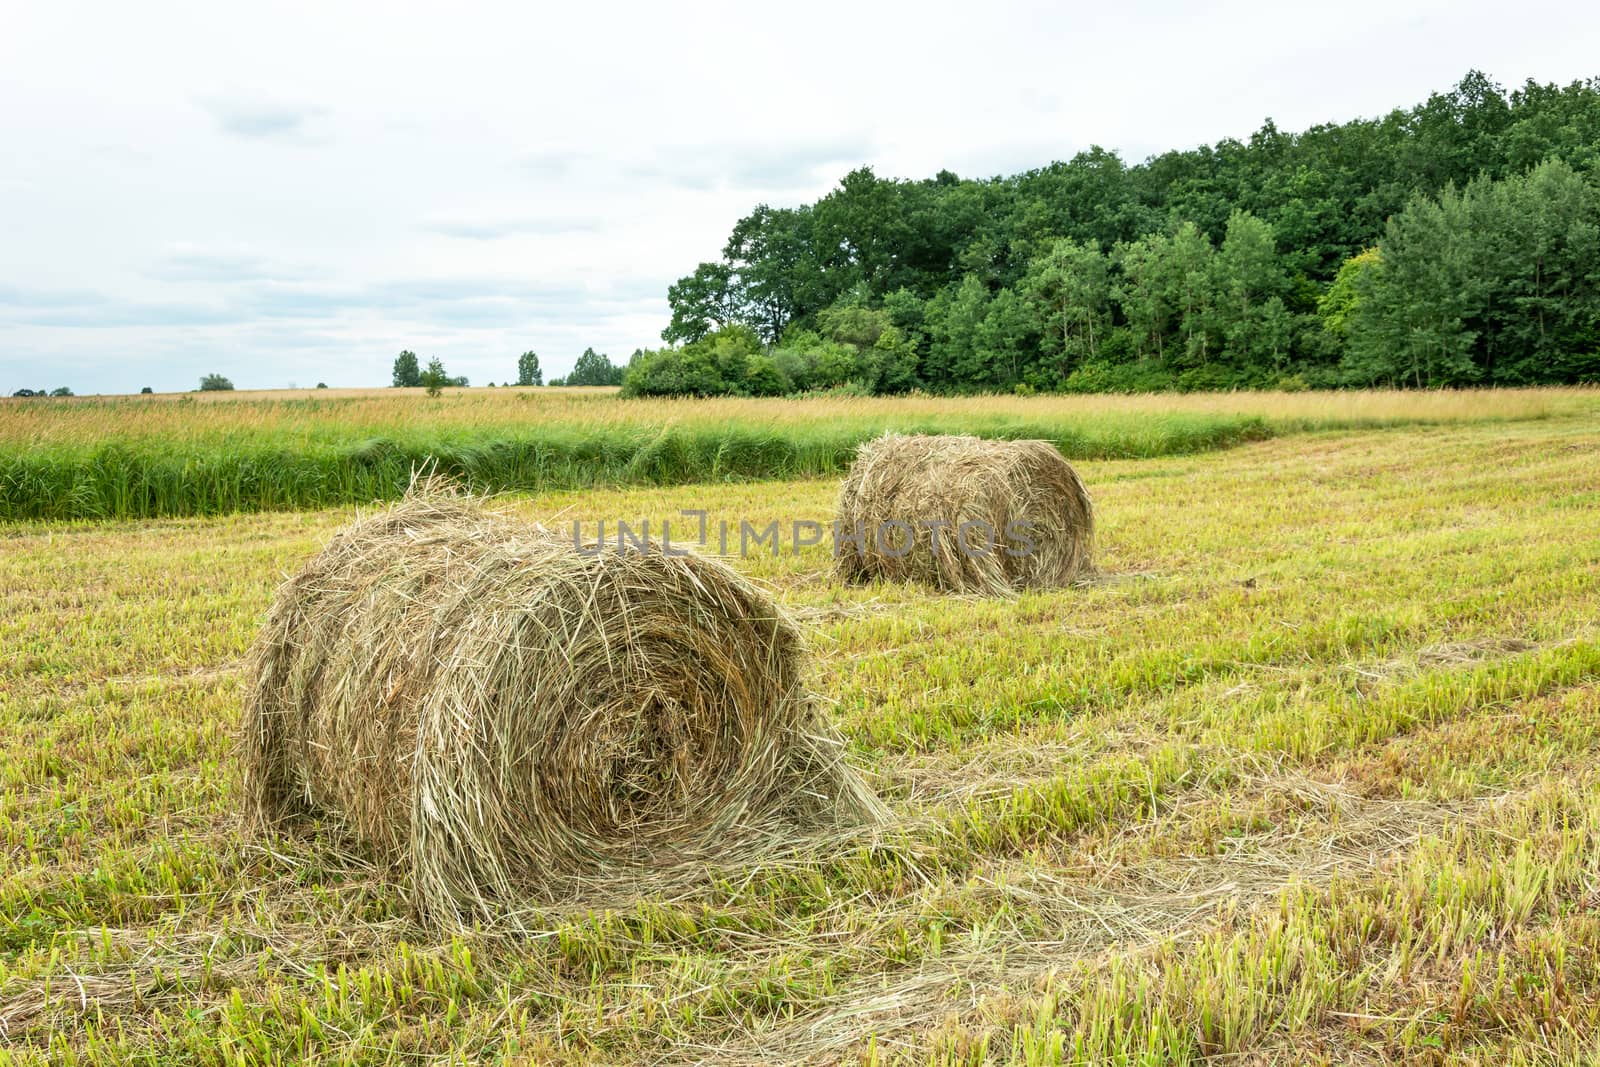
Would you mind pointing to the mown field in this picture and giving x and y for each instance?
(1307, 774)
(218, 453)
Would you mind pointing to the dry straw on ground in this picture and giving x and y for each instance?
(934, 486)
(515, 723)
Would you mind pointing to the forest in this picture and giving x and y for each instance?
(1453, 243)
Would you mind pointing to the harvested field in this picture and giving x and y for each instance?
(1307, 773)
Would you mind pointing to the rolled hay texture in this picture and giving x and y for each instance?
(908, 498)
(515, 723)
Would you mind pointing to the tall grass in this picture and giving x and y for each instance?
(147, 457)
(121, 480)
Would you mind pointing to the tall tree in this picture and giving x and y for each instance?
(955, 318)
(1008, 340)
(779, 279)
(407, 375)
(702, 302)
(1498, 283)
(593, 368)
(1145, 293)
(1250, 287)
(1069, 288)
(528, 372)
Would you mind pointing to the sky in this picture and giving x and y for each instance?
(293, 193)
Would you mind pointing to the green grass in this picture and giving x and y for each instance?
(151, 457)
(1308, 776)
(148, 480)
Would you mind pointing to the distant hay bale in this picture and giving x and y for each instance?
(941, 510)
(514, 722)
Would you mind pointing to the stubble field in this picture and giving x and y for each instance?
(1307, 772)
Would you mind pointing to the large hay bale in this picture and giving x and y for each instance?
(907, 500)
(514, 722)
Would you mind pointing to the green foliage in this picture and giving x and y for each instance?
(763, 378)
(891, 365)
(593, 368)
(146, 391)
(1069, 291)
(434, 379)
(725, 362)
(1255, 326)
(407, 374)
(852, 322)
(954, 320)
(61, 390)
(687, 371)
(322, 385)
(1338, 305)
(213, 383)
(1235, 255)
(1498, 284)
(702, 302)
(528, 372)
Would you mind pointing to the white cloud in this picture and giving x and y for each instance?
(258, 116)
(489, 229)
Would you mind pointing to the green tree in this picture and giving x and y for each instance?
(434, 379)
(1498, 283)
(528, 372)
(213, 383)
(593, 368)
(852, 321)
(1249, 312)
(1069, 289)
(1337, 306)
(908, 313)
(687, 371)
(954, 319)
(1008, 339)
(1146, 293)
(1220, 256)
(891, 365)
(1191, 273)
(407, 375)
(777, 275)
(702, 302)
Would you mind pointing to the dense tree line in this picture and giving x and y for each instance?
(1449, 243)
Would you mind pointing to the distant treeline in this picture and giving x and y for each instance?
(1454, 243)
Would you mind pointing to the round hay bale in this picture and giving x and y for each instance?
(943, 511)
(513, 721)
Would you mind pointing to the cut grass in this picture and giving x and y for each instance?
(1306, 775)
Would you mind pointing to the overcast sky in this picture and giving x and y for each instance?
(293, 193)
